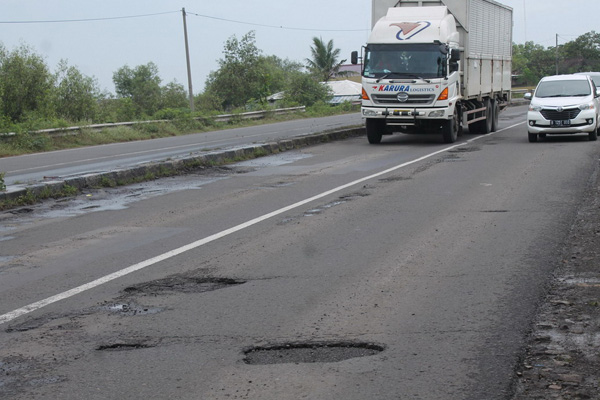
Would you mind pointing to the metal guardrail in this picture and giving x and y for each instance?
(217, 118)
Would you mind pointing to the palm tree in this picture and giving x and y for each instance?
(324, 63)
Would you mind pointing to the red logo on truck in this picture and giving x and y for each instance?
(410, 29)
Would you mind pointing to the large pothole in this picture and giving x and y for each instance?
(182, 284)
(297, 353)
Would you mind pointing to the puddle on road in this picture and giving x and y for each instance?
(274, 160)
(112, 199)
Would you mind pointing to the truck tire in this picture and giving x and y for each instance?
(375, 128)
(532, 137)
(487, 123)
(495, 112)
(450, 129)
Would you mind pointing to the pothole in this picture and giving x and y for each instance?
(123, 346)
(130, 309)
(182, 284)
(21, 211)
(464, 149)
(319, 210)
(296, 353)
(394, 179)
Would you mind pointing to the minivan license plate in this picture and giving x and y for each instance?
(560, 123)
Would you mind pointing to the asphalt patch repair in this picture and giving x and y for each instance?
(563, 355)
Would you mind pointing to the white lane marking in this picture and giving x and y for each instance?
(151, 261)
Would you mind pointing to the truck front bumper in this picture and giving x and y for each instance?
(405, 116)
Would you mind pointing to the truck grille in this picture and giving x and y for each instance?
(412, 99)
(554, 115)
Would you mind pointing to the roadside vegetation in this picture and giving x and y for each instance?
(33, 98)
(531, 61)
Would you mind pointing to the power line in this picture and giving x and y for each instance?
(275, 26)
(87, 19)
(178, 11)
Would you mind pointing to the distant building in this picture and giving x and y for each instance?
(352, 69)
(345, 90)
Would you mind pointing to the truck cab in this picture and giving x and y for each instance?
(421, 75)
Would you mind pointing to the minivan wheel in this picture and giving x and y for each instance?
(593, 135)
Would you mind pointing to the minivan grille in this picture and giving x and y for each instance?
(554, 115)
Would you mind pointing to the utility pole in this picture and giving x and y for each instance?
(187, 56)
(557, 54)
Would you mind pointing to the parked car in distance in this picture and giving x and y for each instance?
(563, 104)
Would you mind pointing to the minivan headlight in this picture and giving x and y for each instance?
(535, 108)
(586, 106)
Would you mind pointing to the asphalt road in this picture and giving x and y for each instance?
(38, 167)
(409, 270)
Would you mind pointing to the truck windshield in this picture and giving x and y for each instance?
(404, 60)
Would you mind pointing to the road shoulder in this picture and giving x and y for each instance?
(562, 359)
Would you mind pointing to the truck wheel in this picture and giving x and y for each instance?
(532, 137)
(450, 129)
(495, 112)
(375, 129)
(487, 123)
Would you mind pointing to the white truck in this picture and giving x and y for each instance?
(436, 66)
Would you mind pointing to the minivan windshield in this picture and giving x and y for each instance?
(563, 88)
(404, 60)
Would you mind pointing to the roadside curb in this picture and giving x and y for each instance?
(53, 187)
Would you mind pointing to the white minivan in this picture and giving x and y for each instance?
(563, 104)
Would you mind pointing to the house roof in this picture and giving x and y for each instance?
(345, 88)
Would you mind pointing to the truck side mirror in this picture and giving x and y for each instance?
(527, 96)
(354, 57)
(454, 55)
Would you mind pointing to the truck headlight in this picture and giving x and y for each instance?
(437, 114)
(369, 113)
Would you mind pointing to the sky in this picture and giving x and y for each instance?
(101, 36)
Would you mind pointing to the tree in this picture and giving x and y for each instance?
(141, 85)
(324, 63)
(531, 62)
(76, 95)
(173, 95)
(25, 84)
(305, 90)
(239, 77)
(581, 54)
